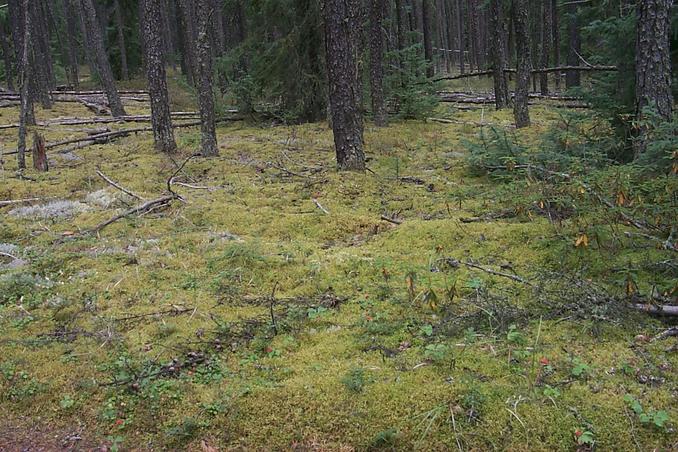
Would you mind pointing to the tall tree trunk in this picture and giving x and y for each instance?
(120, 25)
(427, 17)
(208, 141)
(157, 80)
(460, 36)
(653, 62)
(555, 26)
(17, 17)
(546, 36)
(71, 44)
(499, 34)
(26, 98)
(347, 122)
(103, 66)
(524, 62)
(377, 8)
(573, 78)
(188, 25)
(7, 57)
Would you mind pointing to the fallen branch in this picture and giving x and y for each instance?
(13, 202)
(496, 273)
(671, 332)
(534, 71)
(319, 206)
(176, 310)
(118, 186)
(138, 210)
(657, 309)
(391, 220)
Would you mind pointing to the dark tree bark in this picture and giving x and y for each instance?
(653, 62)
(26, 98)
(347, 122)
(40, 162)
(498, 35)
(18, 10)
(120, 25)
(188, 26)
(524, 62)
(71, 44)
(208, 141)
(103, 66)
(546, 35)
(460, 36)
(427, 15)
(653, 57)
(7, 57)
(157, 80)
(555, 27)
(573, 78)
(40, 54)
(377, 8)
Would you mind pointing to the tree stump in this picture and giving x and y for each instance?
(39, 153)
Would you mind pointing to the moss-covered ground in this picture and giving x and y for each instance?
(157, 333)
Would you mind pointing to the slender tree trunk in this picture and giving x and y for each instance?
(653, 63)
(555, 26)
(573, 78)
(377, 8)
(499, 59)
(71, 44)
(102, 64)
(547, 33)
(26, 98)
(524, 62)
(7, 57)
(460, 36)
(124, 70)
(157, 80)
(347, 123)
(208, 142)
(187, 12)
(427, 16)
(17, 17)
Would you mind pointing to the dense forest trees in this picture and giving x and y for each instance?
(291, 59)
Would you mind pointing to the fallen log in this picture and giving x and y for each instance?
(105, 120)
(589, 68)
(656, 309)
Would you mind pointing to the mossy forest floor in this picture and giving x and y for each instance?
(157, 333)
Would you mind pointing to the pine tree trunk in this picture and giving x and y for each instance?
(347, 123)
(188, 25)
(157, 80)
(24, 15)
(653, 57)
(547, 33)
(555, 26)
(653, 62)
(124, 70)
(103, 66)
(573, 78)
(460, 36)
(7, 57)
(524, 63)
(377, 8)
(41, 65)
(499, 58)
(208, 142)
(427, 16)
(71, 44)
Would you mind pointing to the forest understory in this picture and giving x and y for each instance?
(262, 298)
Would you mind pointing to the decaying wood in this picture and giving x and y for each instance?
(319, 206)
(391, 220)
(668, 310)
(588, 68)
(40, 162)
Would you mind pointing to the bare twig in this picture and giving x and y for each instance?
(391, 220)
(319, 206)
(496, 273)
(118, 186)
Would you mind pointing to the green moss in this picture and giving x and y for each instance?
(206, 269)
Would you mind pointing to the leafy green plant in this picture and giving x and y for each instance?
(585, 438)
(67, 402)
(658, 418)
(580, 369)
